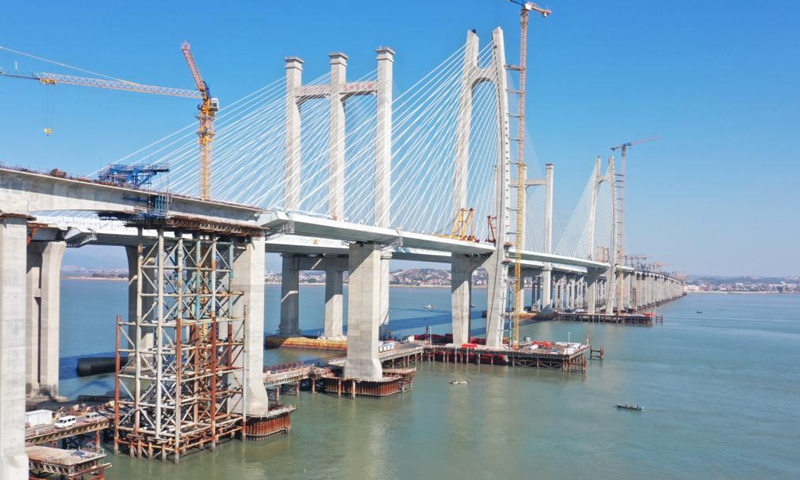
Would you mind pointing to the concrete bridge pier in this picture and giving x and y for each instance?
(364, 312)
(43, 317)
(334, 302)
(386, 257)
(461, 270)
(592, 286)
(248, 278)
(640, 295)
(547, 288)
(290, 295)
(13, 238)
(561, 284)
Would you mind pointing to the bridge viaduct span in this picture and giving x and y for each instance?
(34, 236)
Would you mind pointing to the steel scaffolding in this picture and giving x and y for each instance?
(181, 387)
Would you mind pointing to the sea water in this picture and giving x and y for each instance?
(719, 382)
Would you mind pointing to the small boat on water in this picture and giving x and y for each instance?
(460, 381)
(630, 406)
(428, 306)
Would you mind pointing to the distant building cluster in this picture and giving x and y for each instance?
(789, 284)
(416, 277)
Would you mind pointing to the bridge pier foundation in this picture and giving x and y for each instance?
(43, 317)
(364, 312)
(290, 296)
(13, 235)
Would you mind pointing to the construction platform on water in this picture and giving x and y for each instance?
(547, 355)
(308, 343)
(398, 372)
(642, 319)
(79, 464)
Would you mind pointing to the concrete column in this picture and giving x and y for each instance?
(573, 291)
(591, 291)
(334, 305)
(43, 317)
(294, 75)
(383, 138)
(386, 257)
(519, 290)
(461, 270)
(628, 287)
(637, 291)
(248, 278)
(13, 237)
(363, 321)
(336, 147)
(290, 296)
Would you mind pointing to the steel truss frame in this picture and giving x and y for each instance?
(182, 386)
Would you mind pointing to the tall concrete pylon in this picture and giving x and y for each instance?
(337, 93)
(463, 266)
(383, 171)
(547, 271)
(496, 264)
(591, 274)
(368, 302)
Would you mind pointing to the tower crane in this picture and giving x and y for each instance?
(208, 107)
(527, 7)
(621, 210)
(205, 132)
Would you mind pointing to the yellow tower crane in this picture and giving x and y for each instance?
(205, 132)
(527, 7)
(208, 108)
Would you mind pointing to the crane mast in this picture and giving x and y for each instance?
(205, 131)
(620, 233)
(521, 175)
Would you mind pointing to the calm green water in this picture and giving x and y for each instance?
(721, 391)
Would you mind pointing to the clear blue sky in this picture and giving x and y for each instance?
(718, 79)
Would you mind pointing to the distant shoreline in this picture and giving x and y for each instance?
(305, 284)
(85, 277)
(720, 292)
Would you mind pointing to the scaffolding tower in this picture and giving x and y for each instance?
(180, 360)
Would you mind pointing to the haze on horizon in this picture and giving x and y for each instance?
(718, 80)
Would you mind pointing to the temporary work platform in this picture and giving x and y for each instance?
(182, 386)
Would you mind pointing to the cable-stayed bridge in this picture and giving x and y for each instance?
(336, 175)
